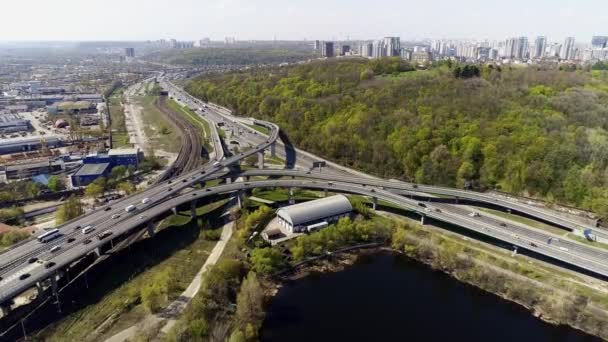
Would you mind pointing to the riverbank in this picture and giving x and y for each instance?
(551, 294)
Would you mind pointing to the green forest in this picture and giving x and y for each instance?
(535, 131)
(231, 56)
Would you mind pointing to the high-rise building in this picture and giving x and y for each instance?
(599, 42)
(344, 50)
(516, 48)
(540, 46)
(378, 49)
(317, 46)
(568, 50)
(554, 50)
(130, 52)
(327, 49)
(392, 46)
(366, 49)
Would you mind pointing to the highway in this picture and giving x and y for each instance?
(169, 194)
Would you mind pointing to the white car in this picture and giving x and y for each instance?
(145, 200)
(55, 249)
(474, 214)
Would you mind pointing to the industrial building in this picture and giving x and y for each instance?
(12, 123)
(72, 108)
(16, 145)
(313, 215)
(90, 172)
(116, 157)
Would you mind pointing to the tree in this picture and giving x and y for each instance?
(250, 302)
(55, 184)
(12, 237)
(95, 189)
(32, 189)
(118, 172)
(266, 260)
(126, 187)
(71, 209)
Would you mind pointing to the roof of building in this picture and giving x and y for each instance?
(314, 210)
(29, 140)
(92, 169)
(41, 179)
(122, 151)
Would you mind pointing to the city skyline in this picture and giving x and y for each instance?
(268, 19)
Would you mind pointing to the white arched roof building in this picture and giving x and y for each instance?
(298, 217)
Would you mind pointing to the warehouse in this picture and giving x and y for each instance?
(12, 123)
(316, 214)
(15, 145)
(90, 172)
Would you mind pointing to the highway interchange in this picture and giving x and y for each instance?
(14, 263)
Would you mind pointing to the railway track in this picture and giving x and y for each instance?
(189, 157)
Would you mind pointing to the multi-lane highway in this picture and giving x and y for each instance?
(166, 195)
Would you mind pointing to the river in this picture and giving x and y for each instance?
(384, 297)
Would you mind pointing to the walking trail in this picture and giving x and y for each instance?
(168, 317)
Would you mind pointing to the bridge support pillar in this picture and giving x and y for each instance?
(151, 228)
(374, 203)
(239, 199)
(98, 252)
(6, 309)
(273, 152)
(39, 288)
(261, 160)
(422, 220)
(291, 200)
(55, 289)
(174, 210)
(247, 178)
(324, 192)
(193, 214)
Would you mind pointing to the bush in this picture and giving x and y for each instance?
(213, 234)
(266, 260)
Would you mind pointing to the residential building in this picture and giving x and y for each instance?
(568, 49)
(540, 47)
(599, 42)
(392, 46)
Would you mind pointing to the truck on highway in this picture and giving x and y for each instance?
(130, 208)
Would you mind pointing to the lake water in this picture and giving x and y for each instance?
(391, 298)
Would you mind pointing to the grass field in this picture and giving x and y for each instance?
(177, 252)
(161, 133)
(120, 136)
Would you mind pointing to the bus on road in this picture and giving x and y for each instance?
(48, 236)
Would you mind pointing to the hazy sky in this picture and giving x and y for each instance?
(299, 19)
